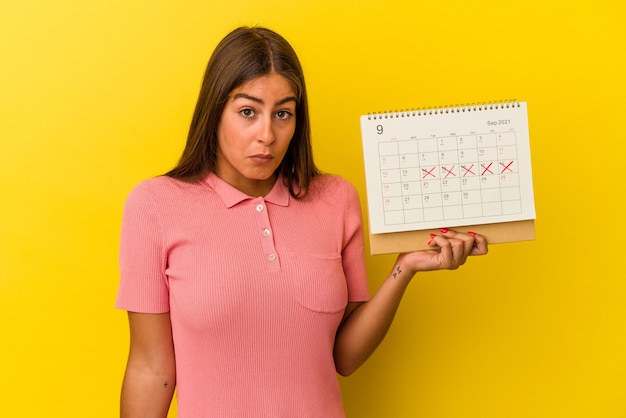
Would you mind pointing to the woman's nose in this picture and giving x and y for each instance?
(266, 131)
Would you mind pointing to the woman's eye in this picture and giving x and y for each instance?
(283, 114)
(247, 113)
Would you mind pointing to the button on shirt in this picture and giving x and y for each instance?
(277, 196)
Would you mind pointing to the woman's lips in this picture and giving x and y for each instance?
(261, 158)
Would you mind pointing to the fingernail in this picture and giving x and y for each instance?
(443, 230)
(433, 235)
(472, 233)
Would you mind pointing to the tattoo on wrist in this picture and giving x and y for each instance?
(165, 385)
(397, 272)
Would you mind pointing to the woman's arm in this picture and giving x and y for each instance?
(150, 376)
(365, 324)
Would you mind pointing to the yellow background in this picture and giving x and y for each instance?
(97, 95)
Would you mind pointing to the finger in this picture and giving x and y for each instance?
(446, 257)
(480, 244)
(467, 239)
(459, 252)
(461, 245)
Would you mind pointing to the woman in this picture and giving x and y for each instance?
(243, 269)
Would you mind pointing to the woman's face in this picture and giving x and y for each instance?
(254, 132)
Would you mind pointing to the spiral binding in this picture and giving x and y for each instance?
(442, 110)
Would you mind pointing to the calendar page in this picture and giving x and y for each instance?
(447, 167)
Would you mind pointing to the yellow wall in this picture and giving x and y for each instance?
(95, 96)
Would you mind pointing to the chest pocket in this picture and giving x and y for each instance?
(319, 282)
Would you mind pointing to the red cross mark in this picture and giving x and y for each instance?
(506, 167)
(486, 169)
(448, 172)
(428, 172)
(468, 170)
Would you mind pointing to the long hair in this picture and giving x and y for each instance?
(244, 54)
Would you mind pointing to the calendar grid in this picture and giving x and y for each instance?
(449, 178)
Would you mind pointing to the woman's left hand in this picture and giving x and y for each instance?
(450, 251)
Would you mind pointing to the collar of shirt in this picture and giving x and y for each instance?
(279, 195)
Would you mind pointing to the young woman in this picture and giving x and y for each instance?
(243, 268)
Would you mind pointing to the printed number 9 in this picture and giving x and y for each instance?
(379, 129)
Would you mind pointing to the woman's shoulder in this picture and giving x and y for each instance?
(332, 185)
(164, 188)
(167, 183)
(329, 181)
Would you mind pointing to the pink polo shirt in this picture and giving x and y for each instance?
(256, 289)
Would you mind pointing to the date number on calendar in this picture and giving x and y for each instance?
(499, 122)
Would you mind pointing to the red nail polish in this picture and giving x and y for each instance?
(433, 235)
(472, 233)
(443, 230)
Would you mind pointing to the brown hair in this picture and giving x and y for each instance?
(244, 54)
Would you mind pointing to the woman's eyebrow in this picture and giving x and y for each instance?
(260, 101)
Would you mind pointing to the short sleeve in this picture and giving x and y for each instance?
(142, 258)
(353, 254)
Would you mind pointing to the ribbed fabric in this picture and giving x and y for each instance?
(255, 287)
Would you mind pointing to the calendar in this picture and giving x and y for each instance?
(447, 167)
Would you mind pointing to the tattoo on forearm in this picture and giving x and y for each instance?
(397, 272)
(165, 385)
